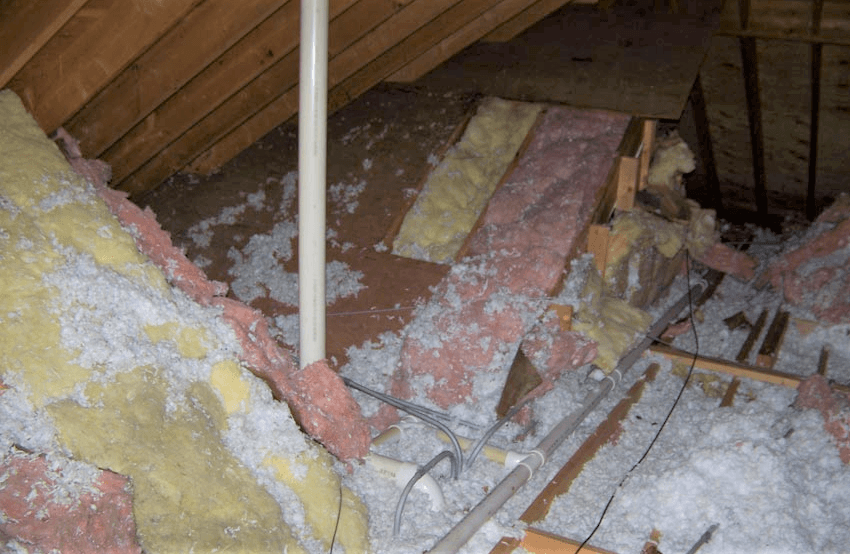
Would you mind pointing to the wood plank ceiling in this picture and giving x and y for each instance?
(156, 87)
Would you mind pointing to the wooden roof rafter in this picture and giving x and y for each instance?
(153, 87)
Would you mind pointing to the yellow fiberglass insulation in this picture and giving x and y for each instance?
(458, 189)
(105, 362)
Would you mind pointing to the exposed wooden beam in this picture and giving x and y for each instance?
(706, 150)
(749, 58)
(272, 40)
(26, 26)
(102, 39)
(190, 46)
(356, 69)
(236, 113)
(811, 188)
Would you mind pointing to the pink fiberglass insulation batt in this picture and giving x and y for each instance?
(516, 257)
(815, 393)
(100, 520)
(814, 275)
(322, 404)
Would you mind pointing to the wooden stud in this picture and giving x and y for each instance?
(627, 180)
(597, 244)
(205, 92)
(104, 38)
(26, 27)
(750, 341)
(814, 115)
(199, 38)
(603, 433)
(706, 150)
(769, 351)
(749, 57)
(648, 146)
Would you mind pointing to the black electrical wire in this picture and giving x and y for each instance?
(338, 518)
(669, 413)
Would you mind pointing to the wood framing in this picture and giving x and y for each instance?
(155, 87)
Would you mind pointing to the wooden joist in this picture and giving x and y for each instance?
(99, 42)
(190, 46)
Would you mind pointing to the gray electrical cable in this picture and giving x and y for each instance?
(421, 472)
(484, 510)
(416, 411)
(482, 442)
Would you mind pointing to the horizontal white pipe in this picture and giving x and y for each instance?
(312, 158)
(501, 493)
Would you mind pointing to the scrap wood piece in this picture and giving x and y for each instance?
(605, 432)
(537, 541)
(731, 390)
(769, 351)
(737, 369)
(823, 360)
(752, 337)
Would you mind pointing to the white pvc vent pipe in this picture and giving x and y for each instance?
(312, 158)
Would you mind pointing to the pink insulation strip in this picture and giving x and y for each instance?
(815, 275)
(98, 521)
(528, 232)
(815, 393)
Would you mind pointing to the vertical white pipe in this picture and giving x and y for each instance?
(312, 154)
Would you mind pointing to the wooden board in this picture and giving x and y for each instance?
(359, 67)
(527, 18)
(736, 369)
(27, 26)
(466, 35)
(239, 65)
(191, 45)
(591, 67)
(106, 36)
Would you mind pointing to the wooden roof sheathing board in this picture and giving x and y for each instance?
(155, 87)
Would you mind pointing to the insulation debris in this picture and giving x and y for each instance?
(813, 276)
(815, 393)
(458, 349)
(105, 363)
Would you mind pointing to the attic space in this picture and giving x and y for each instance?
(583, 277)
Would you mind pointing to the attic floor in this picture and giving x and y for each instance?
(378, 152)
